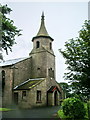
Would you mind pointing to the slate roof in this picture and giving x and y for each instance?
(12, 61)
(29, 84)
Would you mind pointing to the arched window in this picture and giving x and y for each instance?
(3, 77)
(37, 44)
(50, 45)
(3, 80)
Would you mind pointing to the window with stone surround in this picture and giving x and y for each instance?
(50, 45)
(23, 94)
(38, 96)
(37, 44)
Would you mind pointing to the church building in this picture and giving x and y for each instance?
(31, 82)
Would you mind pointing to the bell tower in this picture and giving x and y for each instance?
(43, 58)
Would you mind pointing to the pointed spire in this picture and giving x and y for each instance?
(42, 30)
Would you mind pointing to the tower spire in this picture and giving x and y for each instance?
(42, 31)
(42, 17)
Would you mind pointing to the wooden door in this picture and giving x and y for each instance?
(16, 98)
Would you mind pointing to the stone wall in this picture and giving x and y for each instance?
(50, 63)
(44, 42)
(31, 97)
(41, 63)
(22, 71)
(14, 75)
(38, 65)
(7, 94)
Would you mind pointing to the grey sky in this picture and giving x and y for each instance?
(63, 20)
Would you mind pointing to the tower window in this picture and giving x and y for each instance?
(50, 46)
(38, 96)
(38, 68)
(37, 44)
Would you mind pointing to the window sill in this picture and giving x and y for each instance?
(39, 102)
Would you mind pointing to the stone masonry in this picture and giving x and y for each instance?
(31, 82)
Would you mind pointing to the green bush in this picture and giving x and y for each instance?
(73, 108)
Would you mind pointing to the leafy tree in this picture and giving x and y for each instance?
(66, 89)
(7, 29)
(77, 55)
(73, 108)
(78, 91)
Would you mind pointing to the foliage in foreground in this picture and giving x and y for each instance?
(72, 108)
(77, 58)
(8, 30)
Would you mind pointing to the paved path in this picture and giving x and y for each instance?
(42, 112)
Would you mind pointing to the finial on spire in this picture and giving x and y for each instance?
(42, 15)
(42, 30)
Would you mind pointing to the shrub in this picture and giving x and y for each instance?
(73, 108)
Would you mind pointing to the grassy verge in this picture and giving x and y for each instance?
(5, 109)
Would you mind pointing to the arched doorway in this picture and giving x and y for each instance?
(55, 98)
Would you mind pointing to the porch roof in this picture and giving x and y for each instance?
(29, 84)
(53, 88)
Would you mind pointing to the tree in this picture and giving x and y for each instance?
(78, 91)
(74, 108)
(8, 31)
(66, 89)
(77, 55)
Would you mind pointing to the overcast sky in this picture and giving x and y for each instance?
(63, 20)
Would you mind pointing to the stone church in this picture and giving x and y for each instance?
(31, 82)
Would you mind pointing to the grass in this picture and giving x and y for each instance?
(5, 109)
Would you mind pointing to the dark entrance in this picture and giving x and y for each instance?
(16, 98)
(52, 96)
(47, 99)
(55, 98)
